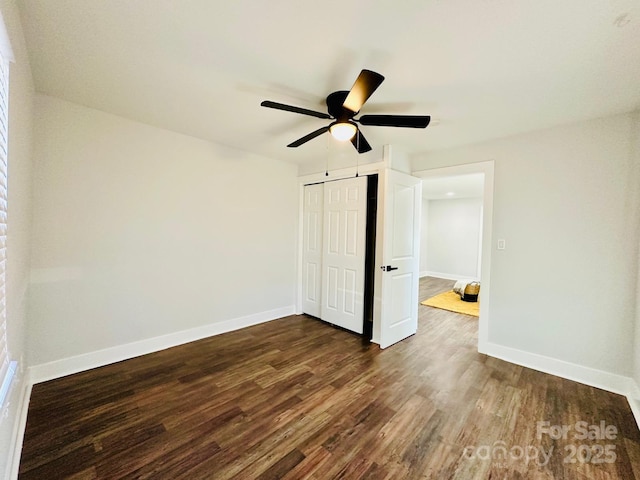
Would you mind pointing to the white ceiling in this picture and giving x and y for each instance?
(452, 187)
(482, 68)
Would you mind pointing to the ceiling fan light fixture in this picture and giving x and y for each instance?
(343, 131)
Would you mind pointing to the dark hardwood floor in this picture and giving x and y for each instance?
(296, 399)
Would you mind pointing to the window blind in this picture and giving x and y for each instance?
(7, 367)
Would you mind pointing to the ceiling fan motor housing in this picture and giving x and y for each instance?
(335, 106)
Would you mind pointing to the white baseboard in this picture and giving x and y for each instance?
(633, 397)
(589, 376)
(610, 382)
(67, 366)
(446, 276)
(13, 464)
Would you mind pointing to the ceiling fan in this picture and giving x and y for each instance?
(344, 105)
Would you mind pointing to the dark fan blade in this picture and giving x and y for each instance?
(290, 108)
(306, 138)
(360, 142)
(365, 85)
(411, 121)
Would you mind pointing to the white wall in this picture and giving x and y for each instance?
(21, 94)
(453, 237)
(635, 152)
(141, 232)
(564, 288)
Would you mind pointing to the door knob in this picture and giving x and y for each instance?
(388, 268)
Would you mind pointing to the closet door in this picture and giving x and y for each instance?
(312, 221)
(343, 256)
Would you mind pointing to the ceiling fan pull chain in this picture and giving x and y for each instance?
(326, 171)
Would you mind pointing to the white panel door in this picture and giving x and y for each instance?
(344, 234)
(400, 237)
(312, 220)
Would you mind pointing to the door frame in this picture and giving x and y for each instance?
(487, 168)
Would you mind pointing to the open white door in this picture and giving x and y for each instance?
(397, 301)
(343, 258)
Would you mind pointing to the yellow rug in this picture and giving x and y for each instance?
(451, 301)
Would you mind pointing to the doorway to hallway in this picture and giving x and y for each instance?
(482, 248)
